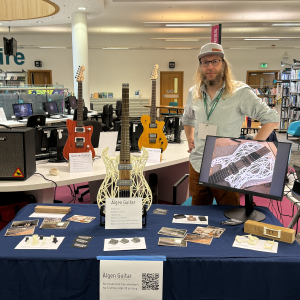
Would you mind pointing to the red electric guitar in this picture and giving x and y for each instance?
(79, 139)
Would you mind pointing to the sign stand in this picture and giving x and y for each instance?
(102, 216)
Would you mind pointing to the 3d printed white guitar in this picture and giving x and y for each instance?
(124, 174)
(250, 164)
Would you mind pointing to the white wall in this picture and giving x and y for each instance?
(110, 68)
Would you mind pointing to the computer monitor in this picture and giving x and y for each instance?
(172, 129)
(50, 108)
(254, 168)
(22, 110)
(72, 102)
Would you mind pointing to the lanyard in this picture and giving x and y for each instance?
(214, 105)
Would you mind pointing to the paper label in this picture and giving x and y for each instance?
(108, 139)
(123, 213)
(81, 162)
(206, 129)
(154, 155)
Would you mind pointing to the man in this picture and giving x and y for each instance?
(217, 105)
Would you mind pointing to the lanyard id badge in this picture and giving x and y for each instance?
(206, 129)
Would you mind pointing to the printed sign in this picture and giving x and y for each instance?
(216, 33)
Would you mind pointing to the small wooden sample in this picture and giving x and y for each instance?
(269, 231)
(52, 209)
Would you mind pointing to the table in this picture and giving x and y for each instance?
(217, 271)
(44, 190)
(255, 126)
(169, 108)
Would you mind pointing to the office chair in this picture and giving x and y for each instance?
(294, 129)
(107, 117)
(118, 111)
(84, 114)
(97, 128)
(36, 120)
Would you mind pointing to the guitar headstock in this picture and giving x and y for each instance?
(79, 74)
(154, 72)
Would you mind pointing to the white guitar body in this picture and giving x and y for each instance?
(139, 188)
(259, 172)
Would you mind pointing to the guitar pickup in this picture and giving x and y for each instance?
(152, 141)
(124, 167)
(80, 129)
(152, 125)
(152, 135)
(79, 141)
(124, 182)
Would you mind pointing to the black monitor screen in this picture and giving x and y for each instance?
(13, 47)
(22, 110)
(245, 166)
(73, 102)
(6, 46)
(50, 107)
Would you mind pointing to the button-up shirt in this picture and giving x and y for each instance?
(228, 116)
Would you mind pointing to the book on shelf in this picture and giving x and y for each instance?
(104, 94)
(110, 95)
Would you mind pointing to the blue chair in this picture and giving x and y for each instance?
(188, 201)
(169, 112)
(294, 129)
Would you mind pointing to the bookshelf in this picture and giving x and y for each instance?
(284, 86)
(294, 99)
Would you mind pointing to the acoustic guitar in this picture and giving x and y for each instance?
(124, 174)
(79, 139)
(153, 135)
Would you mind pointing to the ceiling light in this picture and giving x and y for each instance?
(181, 40)
(53, 47)
(82, 8)
(187, 25)
(0, 23)
(286, 24)
(115, 48)
(178, 48)
(70, 17)
(39, 22)
(262, 39)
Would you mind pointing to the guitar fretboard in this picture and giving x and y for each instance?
(80, 106)
(153, 102)
(125, 151)
(234, 168)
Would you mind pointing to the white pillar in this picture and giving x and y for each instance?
(80, 53)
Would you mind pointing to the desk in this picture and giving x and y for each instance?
(217, 271)
(13, 123)
(43, 190)
(169, 108)
(255, 126)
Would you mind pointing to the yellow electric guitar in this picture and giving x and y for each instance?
(153, 135)
(124, 174)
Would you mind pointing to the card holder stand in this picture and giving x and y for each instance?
(102, 216)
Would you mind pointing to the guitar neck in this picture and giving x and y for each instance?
(234, 168)
(125, 151)
(153, 102)
(80, 106)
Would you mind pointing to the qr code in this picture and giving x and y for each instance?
(150, 281)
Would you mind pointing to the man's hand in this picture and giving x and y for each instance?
(189, 132)
(191, 145)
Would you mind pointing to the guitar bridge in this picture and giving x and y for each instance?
(122, 182)
(152, 141)
(152, 135)
(125, 167)
(79, 141)
(152, 125)
(80, 129)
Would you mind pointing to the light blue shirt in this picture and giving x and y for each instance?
(228, 116)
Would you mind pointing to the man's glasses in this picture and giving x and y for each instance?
(214, 62)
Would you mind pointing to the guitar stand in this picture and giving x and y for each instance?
(102, 214)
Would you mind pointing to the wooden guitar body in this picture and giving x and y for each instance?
(152, 137)
(73, 144)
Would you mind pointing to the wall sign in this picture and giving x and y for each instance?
(216, 32)
(19, 59)
(263, 65)
(171, 64)
(38, 63)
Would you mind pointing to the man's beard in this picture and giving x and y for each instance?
(215, 81)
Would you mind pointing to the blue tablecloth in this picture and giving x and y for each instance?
(216, 271)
